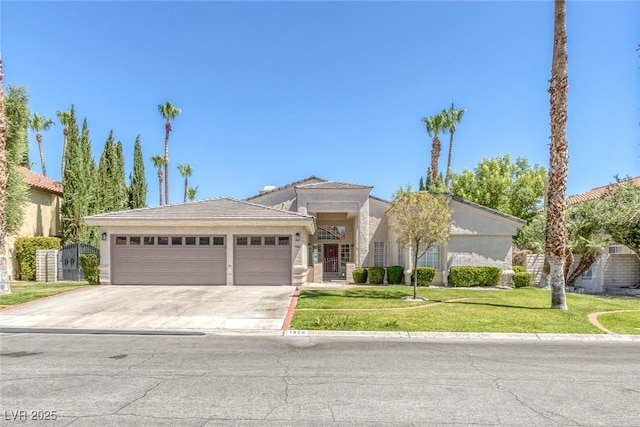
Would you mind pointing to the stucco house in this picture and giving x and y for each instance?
(616, 269)
(312, 230)
(41, 213)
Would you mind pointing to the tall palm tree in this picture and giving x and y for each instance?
(558, 159)
(186, 171)
(169, 112)
(65, 119)
(191, 192)
(5, 287)
(38, 123)
(158, 162)
(435, 125)
(452, 116)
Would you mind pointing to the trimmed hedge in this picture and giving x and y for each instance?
(90, 264)
(395, 274)
(26, 248)
(376, 275)
(425, 275)
(360, 275)
(472, 276)
(519, 269)
(522, 279)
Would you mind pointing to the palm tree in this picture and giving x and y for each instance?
(558, 160)
(38, 123)
(452, 117)
(158, 162)
(65, 119)
(435, 125)
(185, 171)
(191, 192)
(5, 287)
(168, 112)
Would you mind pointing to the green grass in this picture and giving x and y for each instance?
(22, 292)
(513, 310)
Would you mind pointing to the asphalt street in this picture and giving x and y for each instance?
(127, 380)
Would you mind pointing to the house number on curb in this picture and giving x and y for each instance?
(296, 333)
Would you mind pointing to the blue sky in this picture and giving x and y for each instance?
(273, 92)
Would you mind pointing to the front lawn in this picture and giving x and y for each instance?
(464, 310)
(22, 292)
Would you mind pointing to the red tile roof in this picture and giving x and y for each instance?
(595, 193)
(35, 180)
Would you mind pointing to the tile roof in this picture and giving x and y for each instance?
(41, 182)
(333, 185)
(307, 180)
(221, 208)
(595, 193)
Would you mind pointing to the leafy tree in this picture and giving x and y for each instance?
(513, 188)
(421, 219)
(191, 193)
(620, 213)
(558, 159)
(158, 162)
(185, 170)
(452, 116)
(138, 182)
(16, 110)
(169, 112)
(66, 120)
(38, 123)
(435, 125)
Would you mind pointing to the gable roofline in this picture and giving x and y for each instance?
(598, 192)
(40, 182)
(486, 209)
(131, 214)
(332, 185)
(292, 184)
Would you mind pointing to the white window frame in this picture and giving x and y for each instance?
(431, 258)
(378, 254)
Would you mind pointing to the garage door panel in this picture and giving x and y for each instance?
(262, 264)
(168, 265)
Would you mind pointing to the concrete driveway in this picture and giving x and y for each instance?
(157, 308)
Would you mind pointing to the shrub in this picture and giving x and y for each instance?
(425, 275)
(26, 248)
(360, 275)
(471, 276)
(90, 264)
(376, 275)
(395, 273)
(519, 269)
(522, 279)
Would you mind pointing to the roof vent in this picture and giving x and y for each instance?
(267, 188)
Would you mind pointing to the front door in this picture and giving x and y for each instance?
(331, 263)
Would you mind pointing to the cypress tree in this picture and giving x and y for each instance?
(75, 200)
(119, 181)
(90, 187)
(106, 192)
(138, 186)
(16, 111)
(421, 186)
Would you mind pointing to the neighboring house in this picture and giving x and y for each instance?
(41, 213)
(617, 267)
(311, 230)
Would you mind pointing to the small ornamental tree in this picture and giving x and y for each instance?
(421, 219)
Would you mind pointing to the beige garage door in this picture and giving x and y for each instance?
(262, 260)
(168, 260)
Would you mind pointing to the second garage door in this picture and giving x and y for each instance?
(262, 260)
(168, 260)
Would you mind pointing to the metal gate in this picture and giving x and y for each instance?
(70, 256)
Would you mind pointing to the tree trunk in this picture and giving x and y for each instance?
(558, 161)
(545, 278)
(186, 187)
(558, 297)
(5, 287)
(435, 155)
(447, 177)
(167, 128)
(415, 271)
(568, 261)
(586, 261)
(159, 187)
(39, 139)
